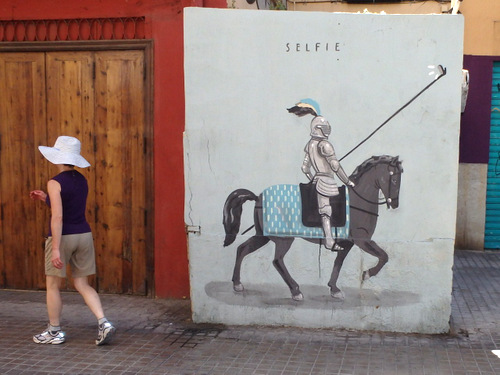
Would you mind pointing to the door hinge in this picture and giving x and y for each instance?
(193, 229)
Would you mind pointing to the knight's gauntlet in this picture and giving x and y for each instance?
(306, 167)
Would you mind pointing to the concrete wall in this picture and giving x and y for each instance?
(482, 27)
(471, 207)
(474, 153)
(239, 134)
(420, 7)
(481, 48)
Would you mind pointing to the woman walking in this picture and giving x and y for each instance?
(69, 240)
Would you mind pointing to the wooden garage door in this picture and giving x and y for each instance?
(98, 97)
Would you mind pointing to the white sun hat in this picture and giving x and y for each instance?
(66, 150)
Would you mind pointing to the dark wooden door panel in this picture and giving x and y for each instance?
(70, 111)
(98, 97)
(22, 120)
(121, 232)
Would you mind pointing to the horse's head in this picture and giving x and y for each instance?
(389, 180)
(379, 173)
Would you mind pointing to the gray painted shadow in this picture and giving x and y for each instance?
(315, 297)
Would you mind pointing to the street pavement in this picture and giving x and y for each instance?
(156, 336)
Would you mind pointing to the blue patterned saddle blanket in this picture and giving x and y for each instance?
(282, 214)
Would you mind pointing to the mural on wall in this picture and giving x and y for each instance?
(262, 168)
(320, 211)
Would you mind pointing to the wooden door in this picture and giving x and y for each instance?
(122, 209)
(99, 98)
(22, 126)
(70, 111)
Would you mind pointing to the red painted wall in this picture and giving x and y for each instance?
(164, 24)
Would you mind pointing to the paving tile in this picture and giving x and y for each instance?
(157, 337)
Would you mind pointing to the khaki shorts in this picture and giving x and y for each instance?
(77, 250)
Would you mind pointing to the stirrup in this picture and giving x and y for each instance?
(334, 247)
(337, 247)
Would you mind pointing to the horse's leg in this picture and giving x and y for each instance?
(282, 247)
(372, 248)
(335, 292)
(247, 247)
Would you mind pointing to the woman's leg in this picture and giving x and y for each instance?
(105, 329)
(54, 302)
(53, 333)
(90, 296)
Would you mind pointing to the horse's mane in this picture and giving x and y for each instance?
(373, 161)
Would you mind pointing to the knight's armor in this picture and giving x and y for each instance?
(321, 165)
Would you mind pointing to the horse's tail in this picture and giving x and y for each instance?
(232, 213)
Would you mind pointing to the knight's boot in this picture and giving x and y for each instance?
(327, 231)
(325, 210)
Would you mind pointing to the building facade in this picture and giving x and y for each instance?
(141, 46)
(111, 73)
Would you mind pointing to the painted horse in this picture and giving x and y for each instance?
(375, 175)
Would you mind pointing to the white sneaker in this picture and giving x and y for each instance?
(105, 333)
(49, 337)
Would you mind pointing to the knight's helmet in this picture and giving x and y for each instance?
(320, 127)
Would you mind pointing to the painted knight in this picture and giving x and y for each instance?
(320, 165)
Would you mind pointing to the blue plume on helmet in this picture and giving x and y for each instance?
(306, 106)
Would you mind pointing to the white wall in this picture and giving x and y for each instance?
(471, 206)
(240, 78)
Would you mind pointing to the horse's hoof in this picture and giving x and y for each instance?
(238, 288)
(366, 275)
(338, 295)
(298, 297)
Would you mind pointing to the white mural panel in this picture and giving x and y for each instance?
(278, 99)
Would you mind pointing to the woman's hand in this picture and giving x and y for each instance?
(56, 258)
(38, 195)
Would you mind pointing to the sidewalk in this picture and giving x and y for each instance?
(157, 337)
